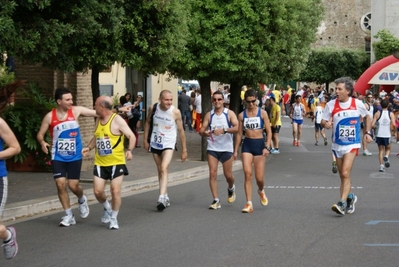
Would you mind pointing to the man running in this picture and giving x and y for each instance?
(66, 147)
(343, 117)
(164, 122)
(219, 125)
(110, 158)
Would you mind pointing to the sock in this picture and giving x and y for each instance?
(82, 200)
(249, 202)
(216, 199)
(350, 196)
(343, 203)
(8, 237)
(114, 214)
(232, 188)
(107, 207)
(68, 212)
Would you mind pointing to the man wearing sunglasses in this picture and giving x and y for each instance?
(218, 126)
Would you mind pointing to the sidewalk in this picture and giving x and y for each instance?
(31, 193)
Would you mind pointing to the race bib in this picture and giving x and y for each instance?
(66, 146)
(252, 123)
(104, 147)
(157, 140)
(347, 133)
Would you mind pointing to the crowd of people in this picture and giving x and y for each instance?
(253, 133)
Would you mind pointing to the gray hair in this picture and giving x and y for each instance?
(348, 83)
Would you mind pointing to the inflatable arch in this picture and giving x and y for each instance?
(384, 72)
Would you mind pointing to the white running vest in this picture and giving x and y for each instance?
(164, 130)
(384, 128)
(224, 142)
(298, 112)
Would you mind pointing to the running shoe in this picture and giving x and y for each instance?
(298, 143)
(68, 220)
(294, 143)
(248, 208)
(334, 167)
(275, 151)
(106, 216)
(84, 208)
(167, 201)
(316, 144)
(113, 224)
(351, 204)
(231, 195)
(339, 208)
(382, 168)
(386, 162)
(215, 205)
(263, 199)
(367, 153)
(325, 141)
(11, 247)
(161, 205)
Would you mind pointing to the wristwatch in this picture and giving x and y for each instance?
(268, 148)
(224, 130)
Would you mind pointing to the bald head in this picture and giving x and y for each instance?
(104, 101)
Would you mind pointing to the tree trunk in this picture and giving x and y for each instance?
(205, 85)
(235, 99)
(95, 83)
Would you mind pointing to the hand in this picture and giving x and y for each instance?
(368, 138)
(129, 155)
(45, 147)
(85, 151)
(183, 156)
(265, 152)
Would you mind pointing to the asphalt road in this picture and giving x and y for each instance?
(297, 228)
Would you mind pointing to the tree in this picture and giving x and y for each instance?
(326, 64)
(92, 34)
(387, 44)
(247, 42)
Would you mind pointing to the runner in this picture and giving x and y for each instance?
(343, 117)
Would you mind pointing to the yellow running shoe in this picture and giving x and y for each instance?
(248, 208)
(231, 195)
(263, 199)
(215, 205)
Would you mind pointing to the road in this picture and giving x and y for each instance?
(297, 228)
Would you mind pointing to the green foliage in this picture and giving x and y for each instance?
(25, 118)
(5, 77)
(327, 64)
(387, 44)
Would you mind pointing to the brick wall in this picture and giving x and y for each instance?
(78, 83)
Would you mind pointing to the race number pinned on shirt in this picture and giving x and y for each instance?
(252, 123)
(104, 147)
(157, 140)
(66, 146)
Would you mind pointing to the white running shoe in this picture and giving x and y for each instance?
(84, 208)
(11, 247)
(106, 216)
(68, 220)
(113, 224)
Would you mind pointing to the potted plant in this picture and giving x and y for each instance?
(24, 118)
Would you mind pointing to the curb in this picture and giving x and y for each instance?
(39, 206)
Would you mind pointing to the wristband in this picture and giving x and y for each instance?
(268, 148)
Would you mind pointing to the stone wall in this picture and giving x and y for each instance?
(341, 25)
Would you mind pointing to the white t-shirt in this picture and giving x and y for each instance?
(197, 104)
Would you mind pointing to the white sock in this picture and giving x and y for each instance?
(216, 199)
(114, 214)
(249, 202)
(107, 206)
(8, 236)
(82, 200)
(68, 212)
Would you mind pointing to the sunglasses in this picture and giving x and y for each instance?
(250, 101)
(217, 99)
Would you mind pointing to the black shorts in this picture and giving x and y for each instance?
(220, 156)
(70, 170)
(276, 129)
(383, 141)
(158, 151)
(110, 172)
(253, 146)
(317, 126)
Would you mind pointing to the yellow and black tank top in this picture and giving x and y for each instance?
(109, 147)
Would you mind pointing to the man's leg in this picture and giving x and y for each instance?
(213, 185)
(62, 192)
(116, 202)
(162, 161)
